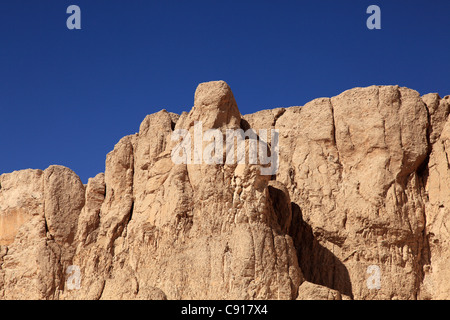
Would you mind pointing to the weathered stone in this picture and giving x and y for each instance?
(21, 198)
(362, 191)
(435, 284)
(63, 201)
(311, 291)
(40, 246)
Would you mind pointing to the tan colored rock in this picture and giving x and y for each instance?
(89, 218)
(357, 209)
(311, 291)
(215, 106)
(63, 201)
(151, 170)
(117, 207)
(95, 258)
(438, 109)
(217, 238)
(350, 164)
(51, 201)
(21, 198)
(436, 273)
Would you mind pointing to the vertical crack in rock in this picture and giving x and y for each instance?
(277, 116)
(334, 135)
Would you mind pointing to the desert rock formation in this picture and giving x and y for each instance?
(358, 209)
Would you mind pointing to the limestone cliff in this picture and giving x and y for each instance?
(358, 209)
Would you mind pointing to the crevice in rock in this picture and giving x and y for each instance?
(334, 134)
(423, 175)
(423, 170)
(280, 204)
(318, 264)
(244, 124)
(101, 291)
(334, 123)
(131, 213)
(429, 128)
(46, 226)
(277, 116)
(424, 259)
(446, 155)
(137, 285)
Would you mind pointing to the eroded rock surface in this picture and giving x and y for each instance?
(358, 209)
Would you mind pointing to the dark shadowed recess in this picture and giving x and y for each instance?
(318, 264)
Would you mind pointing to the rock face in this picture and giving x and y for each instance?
(39, 218)
(358, 208)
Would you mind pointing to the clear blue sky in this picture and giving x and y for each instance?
(68, 96)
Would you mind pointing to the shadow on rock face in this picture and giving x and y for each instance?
(318, 264)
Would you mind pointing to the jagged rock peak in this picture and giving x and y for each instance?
(215, 106)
